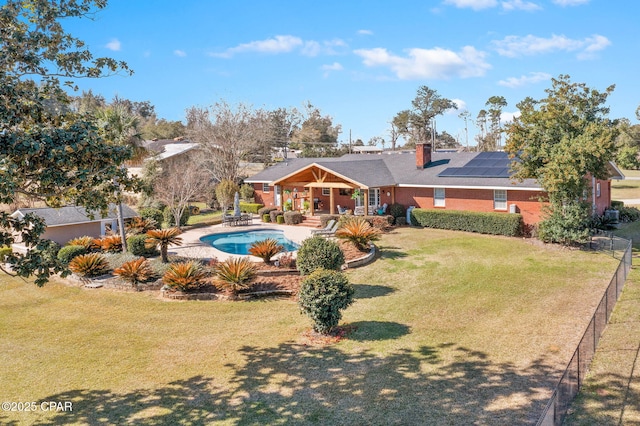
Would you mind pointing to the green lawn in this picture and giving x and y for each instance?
(628, 188)
(447, 328)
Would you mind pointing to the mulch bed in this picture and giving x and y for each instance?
(290, 282)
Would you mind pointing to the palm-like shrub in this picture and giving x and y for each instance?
(109, 244)
(266, 249)
(185, 276)
(323, 294)
(140, 225)
(234, 274)
(163, 238)
(86, 242)
(89, 265)
(135, 271)
(358, 232)
(317, 252)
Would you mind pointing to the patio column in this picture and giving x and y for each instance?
(311, 204)
(332, 203)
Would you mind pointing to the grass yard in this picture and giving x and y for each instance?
(628, 188)
(447, 328)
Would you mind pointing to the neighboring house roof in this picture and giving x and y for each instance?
(175, 149)
(447, 169)
(73, 215)
(365, 149)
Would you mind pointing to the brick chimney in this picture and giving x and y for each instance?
(423, 155)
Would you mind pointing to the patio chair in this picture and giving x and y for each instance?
(326, 228)
(342, 210)
(329, 233)
(382, 209)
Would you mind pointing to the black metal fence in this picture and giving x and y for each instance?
(573, 376)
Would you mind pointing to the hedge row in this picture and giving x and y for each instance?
(510, 224)
(250, 207)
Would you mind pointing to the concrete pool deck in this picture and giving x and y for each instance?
(193, 247)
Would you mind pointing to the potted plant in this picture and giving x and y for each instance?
(355, 195)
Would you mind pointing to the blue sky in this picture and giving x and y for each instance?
(362, 61)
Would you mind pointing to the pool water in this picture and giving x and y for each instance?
(240, 242)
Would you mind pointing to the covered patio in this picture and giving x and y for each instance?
(324, 189)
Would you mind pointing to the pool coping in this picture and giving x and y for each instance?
(193, 247)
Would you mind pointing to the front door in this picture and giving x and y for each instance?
(374, 197)
(277, 198)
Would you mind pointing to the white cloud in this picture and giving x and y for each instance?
(332, 67)
(315, 48)
(278, 44)
(507, 117)
(472, 4)
(433, 63)
(525, 80)
(284, 44)
(114, 45)
(507, 5)
(462, 105)
(180, 53)
(365, 32)
(515, 46)
(527, 6)
(565, 3)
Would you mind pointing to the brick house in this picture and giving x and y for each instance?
(477, 181)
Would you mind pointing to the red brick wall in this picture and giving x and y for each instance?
(480, 200)
(604, 200)
(264, 198)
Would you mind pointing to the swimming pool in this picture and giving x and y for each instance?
(240, 242)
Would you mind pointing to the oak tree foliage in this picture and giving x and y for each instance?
(47, 151)
(563, 140)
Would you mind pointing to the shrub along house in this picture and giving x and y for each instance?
(468, 181)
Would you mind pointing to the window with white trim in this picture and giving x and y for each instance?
(598, 189)
(265, 187)
(499, 199)
(326, 192)
(438, 197)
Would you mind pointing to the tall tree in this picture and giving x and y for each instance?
(562, 141)
(400, 126)
(120, 127)
(52, 155)
(427, 105)
(495, 104)
(317, 136)
(226, 134)
(178, 182)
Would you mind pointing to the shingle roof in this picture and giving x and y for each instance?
(399, 169)
(70, 215)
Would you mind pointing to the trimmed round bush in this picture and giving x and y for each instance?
(280, 219)
(323, 295)
(274, 214)
(67, 253)
(136, 244)
(266, 218)
(397, 210)
(266, 210)
(292, 218)
(319, 253)
(151, 213)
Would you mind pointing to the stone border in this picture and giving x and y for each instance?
(362, 260)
